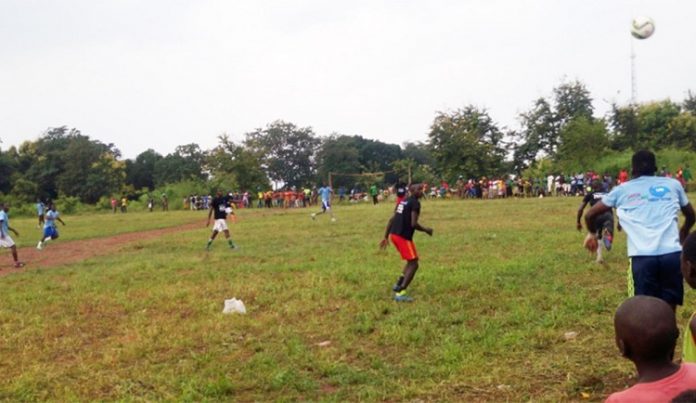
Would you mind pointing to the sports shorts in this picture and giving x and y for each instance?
(6, 242)
(406, 247)
(325, 205)
(50, 232)
(220, 225)
(605, 220)
(657, 276)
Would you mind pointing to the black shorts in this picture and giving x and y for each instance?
(605, 220)
(658, 276)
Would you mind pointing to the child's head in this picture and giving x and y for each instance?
(688, 260)
(646, 330)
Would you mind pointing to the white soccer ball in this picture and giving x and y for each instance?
(642, 27)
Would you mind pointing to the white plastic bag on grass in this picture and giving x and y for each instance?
(234, 305)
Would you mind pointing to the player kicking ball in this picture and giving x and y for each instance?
(219, 207)
(400, 229)
(603, 223)
(50, 230)
(325, 193)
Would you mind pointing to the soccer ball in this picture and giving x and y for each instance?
(642, 27)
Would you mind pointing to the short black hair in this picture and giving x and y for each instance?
(643, 163)
(689, 248)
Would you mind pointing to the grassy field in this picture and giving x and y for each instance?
(500, 284)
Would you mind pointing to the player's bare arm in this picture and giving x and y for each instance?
(210, 214)
(580, 210)
(417, 226)
(61, 221)
(689, 219)
(385, 241)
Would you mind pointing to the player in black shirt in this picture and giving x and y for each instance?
(604, 223)
(220, 206)
(400, 229)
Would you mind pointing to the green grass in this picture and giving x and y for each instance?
(499, 285)
(86, 226)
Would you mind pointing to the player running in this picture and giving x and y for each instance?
(50, 230)
(400, 229)
(325, 193)
(219, 206)
(5, 239)
(603, 223)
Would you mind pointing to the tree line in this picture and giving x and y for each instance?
(561, 131)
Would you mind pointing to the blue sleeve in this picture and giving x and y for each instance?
(612, 198)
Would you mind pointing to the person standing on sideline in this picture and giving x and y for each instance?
(5, 238)
(325, 193)
(50, 230)
(219, 207)
(400, 229)
(113, 204)
(124, 204)
(40, 212)
(165, 202)
(374, 192)
(648, 207)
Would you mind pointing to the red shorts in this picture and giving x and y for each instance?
(405, 247)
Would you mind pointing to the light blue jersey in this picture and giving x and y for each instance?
(648, 209)
(40, 208)
(325, 193)
(50, 220)
(5, 222)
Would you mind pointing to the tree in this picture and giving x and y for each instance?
(140, 173)
(624, 125)
(237, 164)
(338, 154)
(287, 152)
(572, 100)
(683, 131)
(539, 134)
(418, 152)
(466, 142)
(654, 124)
(186, 163)
(582, 142)
(689, 104)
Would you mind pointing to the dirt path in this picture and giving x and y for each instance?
(64, 252)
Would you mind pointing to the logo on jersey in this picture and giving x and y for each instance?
(659, 191)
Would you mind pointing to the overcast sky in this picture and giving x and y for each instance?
(160, 73)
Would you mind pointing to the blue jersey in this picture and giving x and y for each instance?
(325, 193)
(648, 209)
(5, 222)
(50, 220)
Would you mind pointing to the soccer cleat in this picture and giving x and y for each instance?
(39, 246)
(402, 298)
(233, 247)
(17, 265)
(607, 238)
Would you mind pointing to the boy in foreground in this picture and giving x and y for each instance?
(646, 333)
(219, 207)
(400, 229)
(5, 239)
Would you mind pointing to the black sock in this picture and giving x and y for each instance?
(399, 282)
